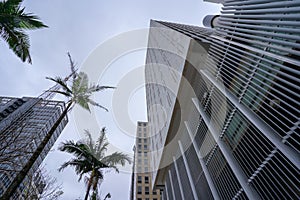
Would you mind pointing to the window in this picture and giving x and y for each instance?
(145, 140)
(139, 179)
(139, 189)
(145, 146)
(146, 179)
(146, 190)
(140, 140)
(145, 161)
(139, 146)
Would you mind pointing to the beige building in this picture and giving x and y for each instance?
(141, 188)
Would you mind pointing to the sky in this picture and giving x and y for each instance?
(85, 29)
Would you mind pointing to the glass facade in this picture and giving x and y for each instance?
(24, 122)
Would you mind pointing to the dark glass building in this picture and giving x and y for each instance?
(223, 104)
(24, 122)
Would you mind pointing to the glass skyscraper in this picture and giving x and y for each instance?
(24, 122)
(223, 104)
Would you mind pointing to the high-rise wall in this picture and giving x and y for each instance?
(24, 122)
(141, 184)
(231, 121)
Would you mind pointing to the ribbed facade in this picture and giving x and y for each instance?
(239, 137)
(24, 122)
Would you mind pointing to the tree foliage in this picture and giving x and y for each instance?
(13, 23)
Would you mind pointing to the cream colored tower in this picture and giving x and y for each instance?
(141, 177)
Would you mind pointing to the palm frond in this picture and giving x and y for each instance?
(18, 42)
(62, 83)
(73, 67)
(97, 104)
(10, 6)
(101, 144)
(89, 141)
(13, 20)
(98, 88)
(117, 158)
(80, 84)
(81, 167)
(61, 92)
(28, 21)
(79, 149)
(86, 180)
(82, 101)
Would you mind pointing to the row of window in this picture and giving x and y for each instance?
(139, 153)
(147, 191)
(145, 161)
(142, 123)
(144, 129)
(140, 140)
(146, 179)
(140, 147)
(139, 170)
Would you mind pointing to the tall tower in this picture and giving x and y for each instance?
(223, 104)
(141, 179)
(24, 122)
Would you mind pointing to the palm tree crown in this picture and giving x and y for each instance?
(90, 158)
(13, 22)
(80, 91)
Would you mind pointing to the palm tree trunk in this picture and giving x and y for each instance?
(22, 174)
(89, 186)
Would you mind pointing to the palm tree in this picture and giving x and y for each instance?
(80, 93)
(90, 159)
(13, 22)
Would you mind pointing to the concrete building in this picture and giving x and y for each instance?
(24, 122)
(141, 183)
(223, 104)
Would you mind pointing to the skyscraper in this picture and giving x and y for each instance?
(24, 122)
(141, 180)
(223, 104)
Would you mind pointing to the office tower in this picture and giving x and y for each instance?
(141, 180)
(223, 104)
(24, 122)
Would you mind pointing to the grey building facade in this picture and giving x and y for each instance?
(229, 128)
(24, 122)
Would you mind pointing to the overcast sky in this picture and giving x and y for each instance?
(80, 27)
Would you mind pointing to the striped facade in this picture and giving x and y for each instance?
(234, 126)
